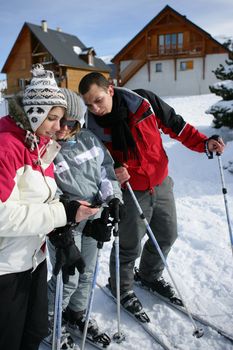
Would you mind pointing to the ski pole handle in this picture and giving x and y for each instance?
(100, 245)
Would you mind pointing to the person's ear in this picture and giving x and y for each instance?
(111, 90)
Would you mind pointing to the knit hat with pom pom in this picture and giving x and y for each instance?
(41, 95)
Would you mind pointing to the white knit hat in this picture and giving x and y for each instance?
(75, 105)
(41, 95)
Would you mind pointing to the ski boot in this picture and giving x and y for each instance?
(159, 286)
(76, 323)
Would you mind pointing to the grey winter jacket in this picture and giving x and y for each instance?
(84, 170)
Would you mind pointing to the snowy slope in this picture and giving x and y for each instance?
(201, 260)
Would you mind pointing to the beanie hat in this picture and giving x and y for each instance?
(41, 95)
(75, 105)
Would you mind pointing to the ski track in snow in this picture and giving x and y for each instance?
(200, 261)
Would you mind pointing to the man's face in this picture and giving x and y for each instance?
(99, 100)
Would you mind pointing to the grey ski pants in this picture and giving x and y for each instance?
(77, 290)
(160, 211)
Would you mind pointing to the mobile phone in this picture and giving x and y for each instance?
(94, 206)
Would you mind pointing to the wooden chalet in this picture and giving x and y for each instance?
(170, 56)
(60, 52)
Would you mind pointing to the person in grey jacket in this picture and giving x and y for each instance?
(85, 173)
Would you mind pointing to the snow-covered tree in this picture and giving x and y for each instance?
(229, 44)
(223, 110)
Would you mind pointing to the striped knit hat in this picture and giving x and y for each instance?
(41, 95)
(75, 105)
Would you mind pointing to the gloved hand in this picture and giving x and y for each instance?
(117, 209)
(68, 256)
(214, 144)
(71, 208)
(99, 229)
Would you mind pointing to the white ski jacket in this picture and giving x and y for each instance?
(27, 209)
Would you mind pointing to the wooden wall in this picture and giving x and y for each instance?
(74, 76)
(20, 62)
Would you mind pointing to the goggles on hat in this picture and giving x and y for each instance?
(69, 123)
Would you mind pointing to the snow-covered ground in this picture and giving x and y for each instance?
(3, 108)
(201, 260)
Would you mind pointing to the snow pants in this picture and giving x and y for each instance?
(23, 309)
(160, 211)
(77, 290)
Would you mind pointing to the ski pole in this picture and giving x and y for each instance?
(119, 336)
(224, 191)
(56, 344)
(198, 332)
(91, 297)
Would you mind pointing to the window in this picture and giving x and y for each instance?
(21, 83)
(161, 43)
(186, 65)
(158, 67)
(169, 43)
(180, 40)
(173, 41)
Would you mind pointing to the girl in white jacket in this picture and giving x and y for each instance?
(28, 210)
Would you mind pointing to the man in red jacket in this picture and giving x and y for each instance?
(129, 124)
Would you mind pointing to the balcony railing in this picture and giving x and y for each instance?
(196, 48)
(133, 66)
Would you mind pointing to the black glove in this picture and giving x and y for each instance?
(71, 208)
(68, 256)
(99, 229)
(209, 153)
(117, 209)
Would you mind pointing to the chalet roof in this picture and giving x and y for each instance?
(61, 47)
(167, 8)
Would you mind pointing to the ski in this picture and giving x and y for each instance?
(195, 316)
(47, 345)
(79, 335)
(145, 326)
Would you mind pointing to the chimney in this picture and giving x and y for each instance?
(59, 29)
(44, 26)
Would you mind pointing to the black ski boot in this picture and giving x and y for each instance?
(159, 286)
(66, 340)
(76, 323)
(132, 304)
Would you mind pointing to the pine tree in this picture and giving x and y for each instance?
(223, 110)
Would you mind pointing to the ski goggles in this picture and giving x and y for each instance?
(69, 123)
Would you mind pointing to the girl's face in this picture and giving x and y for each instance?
(51, 124)
(67, 125)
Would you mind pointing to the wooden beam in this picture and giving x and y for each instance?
(37, 45)
(39, 53)
(148, 69)
(203, 72)
(175, 69)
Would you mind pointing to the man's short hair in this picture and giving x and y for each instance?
(92, 78)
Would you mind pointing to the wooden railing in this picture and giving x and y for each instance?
(133, 66)
(196, 48)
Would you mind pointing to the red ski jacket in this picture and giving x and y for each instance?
(148, 115)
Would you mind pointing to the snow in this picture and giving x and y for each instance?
(3, 108)
(201, 259)
(226, 84)
(107, 59)
(221, 106)
(77, 50)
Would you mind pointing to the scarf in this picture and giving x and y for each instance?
(117, 121)
(31, 140)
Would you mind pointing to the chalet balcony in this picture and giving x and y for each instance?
(163, 52)
(195, 49)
